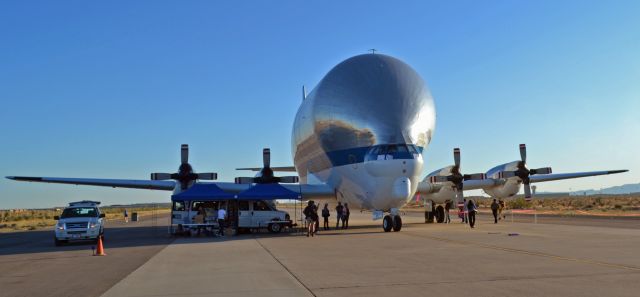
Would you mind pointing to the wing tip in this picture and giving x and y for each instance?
(617, 171)
(24, 178)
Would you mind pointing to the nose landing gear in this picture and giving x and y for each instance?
(392, 222)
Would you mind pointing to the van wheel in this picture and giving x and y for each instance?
(58, 242)
(275, 228)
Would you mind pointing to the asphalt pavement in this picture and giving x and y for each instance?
(30, 264)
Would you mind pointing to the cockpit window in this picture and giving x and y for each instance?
(392, 151)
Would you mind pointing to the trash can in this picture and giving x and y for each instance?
(134, 217)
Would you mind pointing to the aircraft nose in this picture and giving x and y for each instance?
(401, 188)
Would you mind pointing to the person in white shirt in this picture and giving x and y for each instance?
(222, 214)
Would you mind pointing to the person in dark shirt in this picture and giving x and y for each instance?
(494, 209)
(471, 208)
(447, 207)
(345, 216)
(311, 216)
(339, 209)
(326, 214)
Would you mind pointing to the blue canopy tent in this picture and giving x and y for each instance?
(267, 192)
(203, 192)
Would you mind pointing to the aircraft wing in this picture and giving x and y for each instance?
(308, 191)
(114, 183)
(559, 176)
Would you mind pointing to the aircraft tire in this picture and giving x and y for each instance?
(397, 223)
(439, 214)
(387, 223)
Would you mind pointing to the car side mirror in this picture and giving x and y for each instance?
(102, 215)
(56, 217)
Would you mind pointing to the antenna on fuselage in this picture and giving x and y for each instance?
(373, 51)
(304, 92)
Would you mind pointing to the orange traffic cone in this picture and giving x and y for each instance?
(100, 249)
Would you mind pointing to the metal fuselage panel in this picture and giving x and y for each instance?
(363, 129)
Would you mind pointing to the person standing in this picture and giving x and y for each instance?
(494, 209)
(345, 216)
(309, 213)
(316, 218)
(339, 209)
(447, 207)
(326, 214)
(500, 215)
(465, 211)
(222, 215)
(126, 216)
(471, 208)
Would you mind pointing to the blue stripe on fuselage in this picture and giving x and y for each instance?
(359, 154)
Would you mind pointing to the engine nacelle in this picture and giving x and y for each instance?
(509, 187)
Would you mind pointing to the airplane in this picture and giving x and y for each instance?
(359, 137)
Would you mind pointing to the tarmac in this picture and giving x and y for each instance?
(517, 258)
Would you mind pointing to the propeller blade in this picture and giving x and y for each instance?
(208, 176)
(160, 176)
(289, 179)
(456, 157)
(527, 192)
(523, 152)
(244, 180)
(438, 179)
(543, 170)
(184, 153)
(266, 157)
(475, 176)
(506, 174)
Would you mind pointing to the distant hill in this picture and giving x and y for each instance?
(617, 190)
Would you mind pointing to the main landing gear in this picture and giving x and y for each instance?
(392, 222)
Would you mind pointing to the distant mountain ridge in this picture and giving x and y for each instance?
(616, 190)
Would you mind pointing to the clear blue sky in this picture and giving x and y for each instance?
(111, 89)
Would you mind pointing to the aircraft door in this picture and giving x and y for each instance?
(245, 214)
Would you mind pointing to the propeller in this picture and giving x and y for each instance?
(524, 173)
(456, 177)
(265, 176)
(185, 175)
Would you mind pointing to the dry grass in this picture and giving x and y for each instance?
(36, 219)
(570, 205)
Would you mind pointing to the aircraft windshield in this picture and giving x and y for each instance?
(79, 212)
(392, 151)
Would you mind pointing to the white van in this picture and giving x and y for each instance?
(251, 214)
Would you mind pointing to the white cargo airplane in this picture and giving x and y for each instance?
(359, 137)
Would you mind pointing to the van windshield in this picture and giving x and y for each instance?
(79, 212)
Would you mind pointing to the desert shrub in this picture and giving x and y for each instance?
(518, 203)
